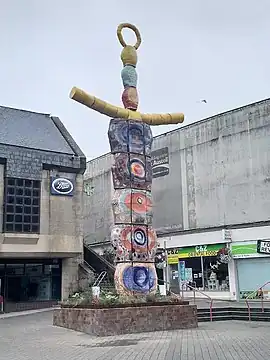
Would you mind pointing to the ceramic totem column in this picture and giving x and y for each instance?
(132, 236)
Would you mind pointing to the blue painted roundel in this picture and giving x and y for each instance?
(139, 278)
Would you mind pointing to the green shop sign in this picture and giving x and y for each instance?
(193, 251)
(245, 249)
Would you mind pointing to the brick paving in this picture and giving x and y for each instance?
(32, 337)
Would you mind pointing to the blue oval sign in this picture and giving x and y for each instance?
(62, 186)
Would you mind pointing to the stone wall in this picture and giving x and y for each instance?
(61, 227)
(70, 276)
(116, 321)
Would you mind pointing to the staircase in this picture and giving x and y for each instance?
(94, 266)
(97, 262)
(212, 309)
(234, 313)
(87, 267)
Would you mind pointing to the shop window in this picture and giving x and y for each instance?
(216, 276)
(15, 269)
(2, 271)
(22, 205)
(33, 269)
(201, 272)
(52, 269)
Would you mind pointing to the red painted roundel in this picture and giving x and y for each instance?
(138, 202)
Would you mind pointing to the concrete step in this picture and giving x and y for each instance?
(215, 318)
(233, 314)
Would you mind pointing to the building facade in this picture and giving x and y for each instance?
(211, 190)
(41, 186)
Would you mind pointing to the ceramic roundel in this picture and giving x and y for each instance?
(130, 136)
(137, 168)
(131, 170)
(132, 206)
(136, 277)
(136, 242)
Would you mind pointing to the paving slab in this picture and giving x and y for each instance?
(33, 337)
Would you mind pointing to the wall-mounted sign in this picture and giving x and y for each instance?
(62, 186)
(246, 249)
(160, 162)
(263, 247)
(193, 251)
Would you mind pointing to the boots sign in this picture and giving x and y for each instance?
(61, 186)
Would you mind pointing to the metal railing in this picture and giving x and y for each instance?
(100, 278)
(92, 253)
(194, 289)
(260, 289)
(85, 265)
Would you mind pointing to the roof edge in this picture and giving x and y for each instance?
(71, 142)
(24, 110)
(199, 122)
(226, 112)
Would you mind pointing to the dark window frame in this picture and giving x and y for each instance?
(21, 206)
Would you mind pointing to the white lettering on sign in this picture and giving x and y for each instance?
(201, 248)
(62, 186)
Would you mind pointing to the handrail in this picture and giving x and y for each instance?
(101, 258)
(202, 293)
(194, 290)
(100, 278)
(85, 263)
(262, 299)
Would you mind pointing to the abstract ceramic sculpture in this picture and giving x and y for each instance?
(130, 136)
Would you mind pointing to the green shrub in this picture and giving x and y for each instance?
(111, 298)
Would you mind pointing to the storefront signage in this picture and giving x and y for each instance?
(160, 162)
(246, 249)
(263, 247)
(194, 251)
(61, 186)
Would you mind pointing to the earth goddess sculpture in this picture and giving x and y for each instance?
(130, 136)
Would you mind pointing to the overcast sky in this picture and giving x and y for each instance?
(191, 50)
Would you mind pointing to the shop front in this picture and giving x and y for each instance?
(198, 266)
(27, 282)
(252, 259)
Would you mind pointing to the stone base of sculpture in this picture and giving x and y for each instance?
(127, 320)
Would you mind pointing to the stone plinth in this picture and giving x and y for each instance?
(127, 320)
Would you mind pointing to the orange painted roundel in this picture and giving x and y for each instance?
(137, 170)
(138, 202)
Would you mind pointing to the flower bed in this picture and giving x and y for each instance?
(115, 315)
(123, 305)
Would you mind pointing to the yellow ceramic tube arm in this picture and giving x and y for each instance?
(162, 119)
(112, 111)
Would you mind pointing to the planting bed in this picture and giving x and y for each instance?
(101, 320)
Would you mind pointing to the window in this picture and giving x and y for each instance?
(202, 272)
(22, 205)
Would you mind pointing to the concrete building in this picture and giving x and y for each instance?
(211, 190)
(41, 186)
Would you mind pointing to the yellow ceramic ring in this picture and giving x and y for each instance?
(131, 27)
